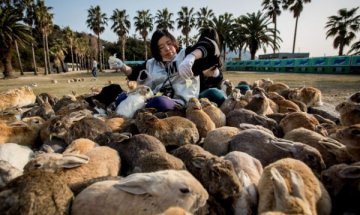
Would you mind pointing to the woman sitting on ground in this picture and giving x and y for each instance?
(170, 71)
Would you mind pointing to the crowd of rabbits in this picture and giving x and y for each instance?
(269, 150)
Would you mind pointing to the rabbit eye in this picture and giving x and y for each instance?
(37, 165)
(184, 190)
(355, 132)
(312, 158)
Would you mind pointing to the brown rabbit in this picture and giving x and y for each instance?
(174, 130)
(289, 186)
(355, 97)
(350, 136)
(259, 103)
(216, 115)
(284, 105)
(277, 87)
(349, 113)
(301, 119)
(75, 125)
(234, 101)
(203, 122)
(36, 193)
(310, 96)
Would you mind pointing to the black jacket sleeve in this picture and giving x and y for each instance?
(136, 71)
(211, 56)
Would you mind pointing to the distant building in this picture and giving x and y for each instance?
(284, 55)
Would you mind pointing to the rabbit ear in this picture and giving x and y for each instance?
(46, 148)
(199, 162)
(76, 116)
(280, 189)
(297, 185)
(70, 160)
(137, 183)
(284, 145)
(331, 144)
(351, 172)
(39, 100)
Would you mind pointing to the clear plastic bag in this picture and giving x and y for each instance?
(115, 63)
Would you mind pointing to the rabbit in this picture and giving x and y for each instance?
(310, 96)
(36, 192)
(196, 114)
(174, 130)
(75, 125)
(349, 113)
(135, 100)
(289, 186)
(215, 113)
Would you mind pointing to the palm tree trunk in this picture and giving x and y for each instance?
(99, 52)
(296, 23)
(72, 57)
(88, 64)
(77, 62)
(62, 63)
(45, 58)
(34, 61)
(274, 44)
(47, 52)
(341, 49)
(240, 50)
(146, 54)
(123, 47)
(19, 58)
(224, 51)
(6, 61)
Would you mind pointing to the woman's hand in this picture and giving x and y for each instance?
(115, 63)
(212, 72)
(185, 68)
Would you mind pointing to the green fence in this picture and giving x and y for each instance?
(328, 65)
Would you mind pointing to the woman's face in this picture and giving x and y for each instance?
(167, 49)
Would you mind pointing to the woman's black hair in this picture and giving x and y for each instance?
(155, 39)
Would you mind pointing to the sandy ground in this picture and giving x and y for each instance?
(334, 88)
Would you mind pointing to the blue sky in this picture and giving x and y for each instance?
(311, 34)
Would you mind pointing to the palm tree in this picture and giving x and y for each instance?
(70, 37)
(343, 27)
(256, 32)
(355, 48)
(11, 31)
(296, 6)
(238, 36)
(121, 27)
(58, 51)
(43, 22)
(272, 8)
(224, 25)
(29, 20)
(83, 50)
(96, 21)
(186, 21)
(163, 19)
(143, 23)
(204, 17)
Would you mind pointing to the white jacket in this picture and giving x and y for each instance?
(158, 72)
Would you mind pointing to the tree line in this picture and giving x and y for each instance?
(29, 23)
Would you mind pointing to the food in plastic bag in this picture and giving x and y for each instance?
(115, 63)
